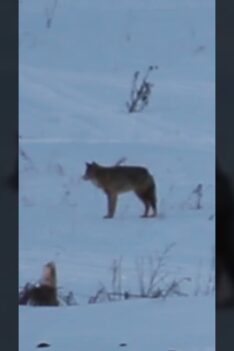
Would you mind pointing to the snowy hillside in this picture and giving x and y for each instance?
(77, 60)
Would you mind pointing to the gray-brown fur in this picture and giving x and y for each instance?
(120, 179)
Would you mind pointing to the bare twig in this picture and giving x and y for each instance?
(116, 282)
(154, 280)
(139, 97)
(199, 192)
(50, 13)
(156, 271)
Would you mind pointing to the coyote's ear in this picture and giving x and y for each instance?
(87, 164)
(94, 164)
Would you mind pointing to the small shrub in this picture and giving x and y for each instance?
(140, 94)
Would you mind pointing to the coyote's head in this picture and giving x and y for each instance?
(90, 172)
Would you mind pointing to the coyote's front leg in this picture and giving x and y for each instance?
(111, 204)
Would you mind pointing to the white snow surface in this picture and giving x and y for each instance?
(142, 325)
(75, 80)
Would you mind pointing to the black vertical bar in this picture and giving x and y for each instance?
(9, 174)
(225, 158)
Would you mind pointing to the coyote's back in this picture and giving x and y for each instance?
(120, 179)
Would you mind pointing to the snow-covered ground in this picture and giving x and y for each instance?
(77, 60)
(143, 325)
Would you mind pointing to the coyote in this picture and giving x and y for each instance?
(120, 179)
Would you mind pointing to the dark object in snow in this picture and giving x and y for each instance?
(43, 344)
(24, 294)
(123, 344)
(41, 295)
(44, 293)
(126, 295)
(199, 192)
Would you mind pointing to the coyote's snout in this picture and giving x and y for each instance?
(119, 179)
